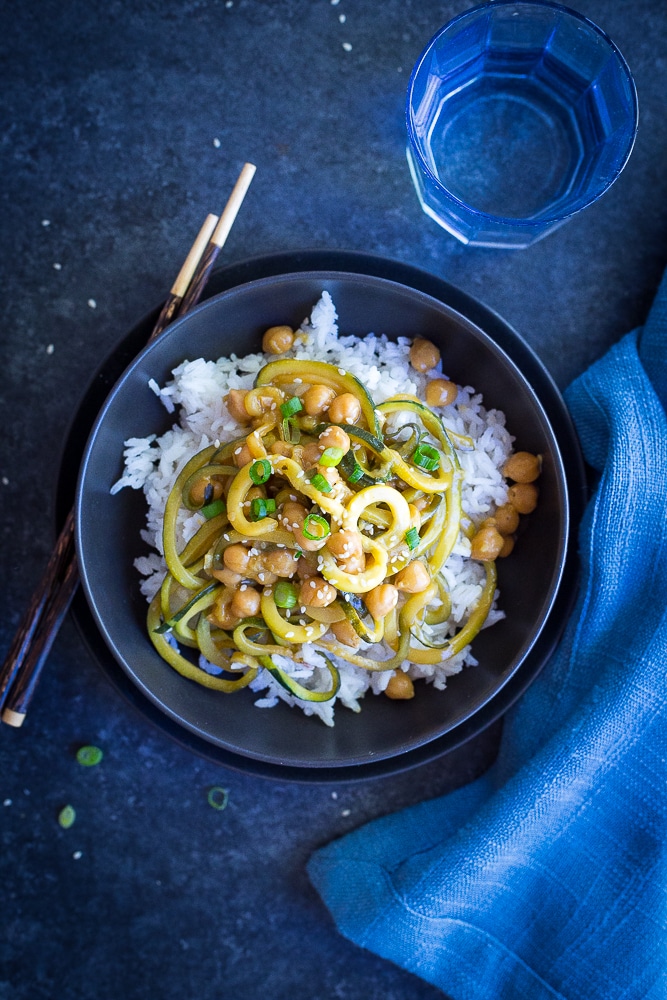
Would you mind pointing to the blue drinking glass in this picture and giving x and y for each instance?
(518, 115)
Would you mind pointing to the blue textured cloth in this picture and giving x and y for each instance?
(547, 877)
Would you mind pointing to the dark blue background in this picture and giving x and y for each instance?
(123, 124)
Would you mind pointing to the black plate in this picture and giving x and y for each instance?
(551, 403)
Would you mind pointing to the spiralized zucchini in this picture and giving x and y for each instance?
(362, 537)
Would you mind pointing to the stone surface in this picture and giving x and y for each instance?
(123, 124)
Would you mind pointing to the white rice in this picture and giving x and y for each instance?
(195, 394)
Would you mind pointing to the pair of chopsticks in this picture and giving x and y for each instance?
(51, 600)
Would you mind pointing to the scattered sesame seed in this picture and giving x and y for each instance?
(239, 450)
(92, 303)
(77, 855)
(46, 222)
(7, 802)
(347, 46)
(226, 537)
(244, 586)
(334, 795)
(5, 481)
(216, 143)
(342, 18)
(50, 349)
(298, 381)
(346, 812)
(57, 266)
(289, 635)
(267, 592)
(229, 3)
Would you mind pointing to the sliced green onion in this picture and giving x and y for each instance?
(259, 508)
(315, 527)
(412, 538)
(260, 471)
(285, 594)
(291, 406)
(213, 509)
(331, 457)
(218, 797)
(426, 457)
(320, 483)
(89, 756)
(66, 817)
(290, 430)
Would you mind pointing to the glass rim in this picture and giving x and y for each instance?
(545, 220)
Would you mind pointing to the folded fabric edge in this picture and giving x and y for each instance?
(452, 955)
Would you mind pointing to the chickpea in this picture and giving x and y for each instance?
(344, 545)
(282, 562)
(245, 602)
(277, 339)
(345, 633)
(226, 576)
(293, 515)
(242, 455)
(282, 448)
(508, 547)
(486, 543)
(235, 401)
(316, 592)
(258, 571)
(522, 467)
(400, 687)
(423, 354)
(307, 544)
(441, 392)
(221, 614)
(381, 600)
(413, 578)
(330, 473)
(311, 454)
(523, 496)
(198, 493)
(345, 409)
(237, 558)
(317, 399)
(335, 437)
(306, 565)
(506, 519)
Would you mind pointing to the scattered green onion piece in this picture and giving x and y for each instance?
(291, 406)
(412, 538)
(89, 756)
(260, 471)
(218, 797)
(356, 474)
(66, 817)
(315, 527)
(213, 509)
(320, 483)
(285, 594)
(331, 457)
(426, 457)
(259, 508)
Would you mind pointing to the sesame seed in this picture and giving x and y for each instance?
(289, 635)
(77, 855)
(239, 450)
(57, 266)
(50, 349)
(342, 18)
(216, 143)
(244, 586)
(46, 222)
(298, 381)
(92, 303)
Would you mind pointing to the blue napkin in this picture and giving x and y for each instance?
(547, 877)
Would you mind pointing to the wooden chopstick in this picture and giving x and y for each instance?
(174, 300)
(218, 238)
(51, 600)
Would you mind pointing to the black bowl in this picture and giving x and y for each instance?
(108, 540)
